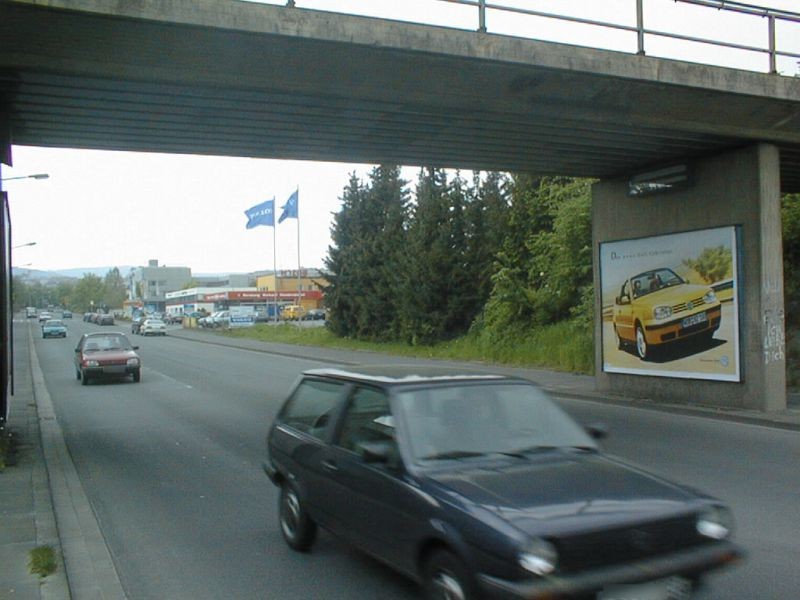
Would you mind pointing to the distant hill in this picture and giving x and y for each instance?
(66, 273)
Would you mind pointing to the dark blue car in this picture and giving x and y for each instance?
(479, 486)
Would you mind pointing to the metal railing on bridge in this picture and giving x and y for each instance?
(774, 48)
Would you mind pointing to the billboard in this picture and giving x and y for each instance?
(670, 305)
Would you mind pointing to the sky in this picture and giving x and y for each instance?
(103, 208)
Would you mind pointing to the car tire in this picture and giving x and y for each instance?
(642, 349)
(84, 379)
(137, 376)
(77, 374)
(447, 578)
(297, 528)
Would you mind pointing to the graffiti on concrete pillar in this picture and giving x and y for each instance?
(774, 341)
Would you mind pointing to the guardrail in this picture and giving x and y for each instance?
(772, 16)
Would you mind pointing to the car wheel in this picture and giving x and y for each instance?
(77, 374)
(84, 379)
(641, 343)
(446, 578)
(297, 528)
(137, 376)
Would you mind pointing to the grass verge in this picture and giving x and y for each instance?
(562, 346)
(42, 561)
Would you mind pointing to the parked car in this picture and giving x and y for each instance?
(105, 319)
(478, 485)
(54, 328)
(173, 319)
(66, 314)
(315, 314)
(106, 354)
(659, 307)
(44, 316)
(153, 327)
(87, 317)
(292, 312)
(220, 318)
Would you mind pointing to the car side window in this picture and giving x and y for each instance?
(312, 405)
(368, 419)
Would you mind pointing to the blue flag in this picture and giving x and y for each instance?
(261, 214)
(290, 208)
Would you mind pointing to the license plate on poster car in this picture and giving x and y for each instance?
(694, 320)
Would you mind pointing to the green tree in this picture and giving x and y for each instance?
(790, 215)
(89, 292)
(713, 264)
(114, 289)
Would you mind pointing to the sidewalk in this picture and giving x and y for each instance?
(42, 488)
(27, 519)
(42, 501)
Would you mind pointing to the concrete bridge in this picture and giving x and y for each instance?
(225, 77)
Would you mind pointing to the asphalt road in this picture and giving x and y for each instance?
(171, 466)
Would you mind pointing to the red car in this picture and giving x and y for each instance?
(100, 355)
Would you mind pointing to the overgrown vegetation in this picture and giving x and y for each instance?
(42, 561)
(552, 346)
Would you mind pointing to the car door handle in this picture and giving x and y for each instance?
(329, 465)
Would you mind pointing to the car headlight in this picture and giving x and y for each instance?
(715, 523)
(92, 363)
(662, 312)
(133, 362)
(710, 297)
(540, 558)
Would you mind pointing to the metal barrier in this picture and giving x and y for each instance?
(772, 16)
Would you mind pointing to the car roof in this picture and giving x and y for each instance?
(406, 374)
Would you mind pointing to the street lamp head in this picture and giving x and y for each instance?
(23, 245)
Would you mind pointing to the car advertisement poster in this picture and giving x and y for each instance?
(670, 306)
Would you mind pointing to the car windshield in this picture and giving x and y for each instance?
(155, 322)
(463, 421)
(652, 281)
(101, 343)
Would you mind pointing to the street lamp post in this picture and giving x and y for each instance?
(34, 176)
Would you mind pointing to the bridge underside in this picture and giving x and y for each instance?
(239, 79)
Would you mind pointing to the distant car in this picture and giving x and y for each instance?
(54, 328)
(106, 354)
(105, 319)
(659, 307)
(30, 312)
(292, 312)
(153, 327)
(66, 314)
(479, 485)
(87, 317)
(44, 316)
(315, 314)
(173, 319)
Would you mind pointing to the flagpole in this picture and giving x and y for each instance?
(275, 269)
(297, 191)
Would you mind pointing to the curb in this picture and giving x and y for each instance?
(90, 570)
(789, 422)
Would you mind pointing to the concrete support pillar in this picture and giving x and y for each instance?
(742, 189)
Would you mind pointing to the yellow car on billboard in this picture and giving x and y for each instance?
(659, 307)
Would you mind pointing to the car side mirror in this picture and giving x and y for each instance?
(77, 350)
(374, 452)
(598, 431)
(623, 300)
(135, 347)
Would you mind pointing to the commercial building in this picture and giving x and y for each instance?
(152, 283)
(304, 287)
